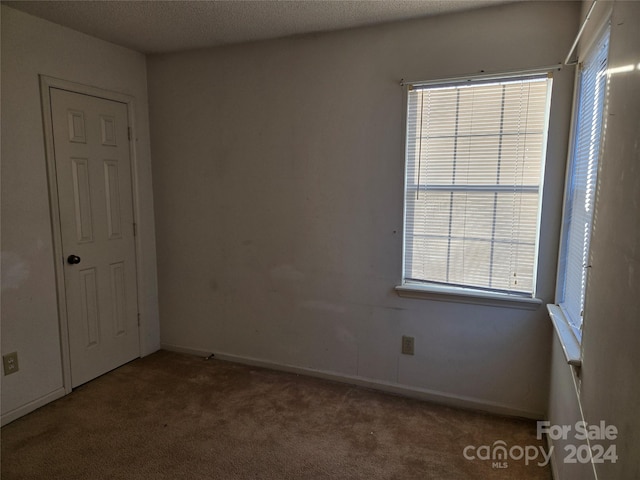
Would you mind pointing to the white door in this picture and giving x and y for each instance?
(93, 174)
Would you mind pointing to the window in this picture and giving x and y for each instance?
(474, 165)
(581, 183)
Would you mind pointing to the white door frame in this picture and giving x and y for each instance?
(46, 83)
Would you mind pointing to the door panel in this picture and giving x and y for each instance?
(93, 174)
(89, 306)
(82, 199)
(112, 190)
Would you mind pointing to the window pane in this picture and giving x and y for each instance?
(478, 160)
(440, 166)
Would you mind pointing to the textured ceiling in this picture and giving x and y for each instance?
(165, 26)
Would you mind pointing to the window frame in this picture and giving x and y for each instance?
(472, 294)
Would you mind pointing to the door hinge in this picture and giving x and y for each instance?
(138, 319)
(129, 133)
(135, 229)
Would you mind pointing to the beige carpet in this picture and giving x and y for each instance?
(172, 416)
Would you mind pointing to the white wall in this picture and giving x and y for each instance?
(610, 390)
(278, 183)
(31, 46)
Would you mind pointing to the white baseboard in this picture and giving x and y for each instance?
(450, 400)
(31, 406)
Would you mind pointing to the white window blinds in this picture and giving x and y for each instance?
(475, 156)
(581, 182)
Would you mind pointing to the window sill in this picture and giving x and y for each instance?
(569, 342)
(467, 295)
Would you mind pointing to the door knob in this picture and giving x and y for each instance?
(73, 259)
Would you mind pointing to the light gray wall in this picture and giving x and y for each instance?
(278, 183)
(31, 46)
(610, 390)
(564, 409)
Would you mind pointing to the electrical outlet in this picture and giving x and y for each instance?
(10, 363)
(407, 345)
